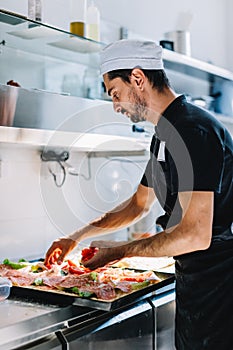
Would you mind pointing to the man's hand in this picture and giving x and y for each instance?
(108, 251)
(58, 251)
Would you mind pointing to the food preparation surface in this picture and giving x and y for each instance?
(13, 311)
(22, 321)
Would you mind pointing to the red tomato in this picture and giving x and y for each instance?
(76, 270)
(71, 263)
(88, 253)
(134, 279)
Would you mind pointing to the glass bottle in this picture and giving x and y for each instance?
(31, 9)
(93, 22)
(78, 17)
(91, 84)
(35, 10)
(38, 11)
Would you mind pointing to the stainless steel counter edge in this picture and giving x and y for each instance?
(80, 141)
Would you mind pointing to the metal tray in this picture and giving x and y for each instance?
(61, 298)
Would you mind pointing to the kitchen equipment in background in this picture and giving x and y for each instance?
(224, 97)
(8, 101)
(71, 84)
(91, 84)
(93, 22)
(35, 10)
(167, 44)
(206, 102)
(5, 287)
(78, 17)
(181, 41)
(124, 33)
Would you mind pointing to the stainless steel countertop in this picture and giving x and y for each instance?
(22, 321)
(14, 311)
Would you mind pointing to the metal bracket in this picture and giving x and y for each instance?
(52, 156)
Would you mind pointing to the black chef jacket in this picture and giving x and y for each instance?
(192, 151)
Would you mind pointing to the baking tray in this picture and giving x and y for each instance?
(61, 298)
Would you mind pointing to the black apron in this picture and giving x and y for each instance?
(204, 298)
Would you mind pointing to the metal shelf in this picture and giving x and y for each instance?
(194, 67)
(38, 40)
(172, 60)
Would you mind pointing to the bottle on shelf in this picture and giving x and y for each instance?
(78, 17)
(93, 22)
(71, 84)
(91, 84)
(31, 9)
(123, 33)
(35, 10)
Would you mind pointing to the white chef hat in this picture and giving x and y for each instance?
(128, 54)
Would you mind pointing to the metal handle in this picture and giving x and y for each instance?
(63, 340)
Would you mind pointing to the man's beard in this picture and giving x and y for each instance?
(140, 108)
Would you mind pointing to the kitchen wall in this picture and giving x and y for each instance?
(209, 21)
(35, 209)
(206, 21)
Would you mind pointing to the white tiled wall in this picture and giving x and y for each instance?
(33, 211)
(23, 221)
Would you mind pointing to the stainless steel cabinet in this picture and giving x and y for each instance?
(142, 325)
(147, 324)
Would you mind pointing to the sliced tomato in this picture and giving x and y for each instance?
(64, 267)
(76, 270)
(71, 263)
(133, 279)
(88, 253)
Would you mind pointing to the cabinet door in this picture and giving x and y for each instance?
(135, 332)
(165, 320)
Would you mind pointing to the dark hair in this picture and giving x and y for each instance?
(157, 78)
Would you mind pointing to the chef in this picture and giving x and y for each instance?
(190, 172)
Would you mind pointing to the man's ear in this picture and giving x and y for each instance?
(138, 78)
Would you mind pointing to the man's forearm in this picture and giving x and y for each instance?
(189, 236)
(122, 216)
